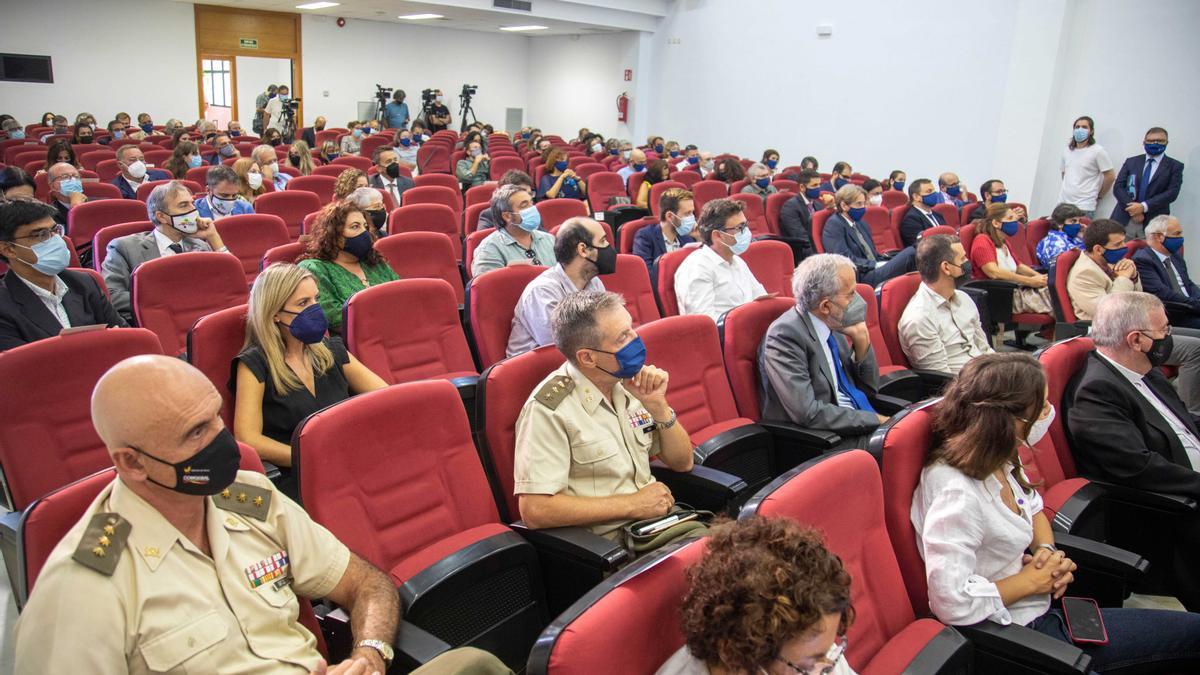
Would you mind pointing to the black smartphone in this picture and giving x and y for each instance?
(1084, 623)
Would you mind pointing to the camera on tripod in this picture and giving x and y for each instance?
(290, 106)
(382, 94)
(469, 90)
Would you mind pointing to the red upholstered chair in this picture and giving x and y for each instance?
(212, 344)
(491, 300)
(784, 185)
(291, 206)
(48, 440)
(441, 179)
(144, 190)
(155, 159)
(602, 187)
(632, 281)
(555, 212)
(895, 198)
(367, 147)
(668, 264)
(633, 185)
(1067, 323)
(423, 217)
(352, 162)
(893, 296)
(437, 532)
(949, 212)
(774, 206)
(628, 232)
(90, 160)
(286, 253)
(321, 186)
(818, 228)
(88, 218)
(198, 174)
(1035, 231)
(435, 194)
(736, 186)
(755, 211)
(882, 235)
(603, 225)
(108, 233)
(170, 293)
(472, 242)
(688, 178)
(771, 263)
(656, 193)
(480, 194)
(108, 170)
(471, 216)
(250, 236)
(886, 636)
(423, 255)
(499, 165)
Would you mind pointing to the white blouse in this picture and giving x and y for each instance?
(969, 540)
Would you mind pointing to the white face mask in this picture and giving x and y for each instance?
(254, 180)
(875, 200)
(1040, 428)
(137, 170)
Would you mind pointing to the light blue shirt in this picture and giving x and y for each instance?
(396, 115)
(823, 334)
(205, 208)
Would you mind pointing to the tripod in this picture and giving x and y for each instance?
(464, 101)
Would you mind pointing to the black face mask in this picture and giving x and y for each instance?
(295, 160)
(392, 170)
(1160, 350)
(212, 469)
(379, 218)
(965, 268)
(606, 260)
(276, 141)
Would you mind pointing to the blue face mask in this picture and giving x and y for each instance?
(560, 166)
(630, 359)
(284, 97)
(70, 186)
(639, 167)
(1155, 149)
(1173, 244)
(614, 151)
(1114, 256)
(688, 223)
(954, 190)
(235, 133)
(856, 214)
(812, 193)
(932, 199)
(1072, 229)
(148, 128)
(772, 163)
(658, 149)
(357, 133)
(194, 161)
(898, 185)
(674, 154)
(309, 326)
(762, 183)
(741, 241)
(693, 160)
(16, 134)
(531, 219)
(118, 135)
(53, 256)
(1080, 134)
(1010, 227)
(839, 183)
(525, 135)
(1000, 199)
(406, 142)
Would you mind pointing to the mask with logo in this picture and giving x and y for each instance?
(1079, 134)
(187, 223)
(212, 469)
(531, 219)
(630, 359)
(221, 205)
(1155, 149)
(53, 256)
(310, 324)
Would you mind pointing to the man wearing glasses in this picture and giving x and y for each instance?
(518, 239)
(715, 279)
(66, 188)
(39, 296)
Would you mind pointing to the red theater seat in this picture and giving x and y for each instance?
(170, 293)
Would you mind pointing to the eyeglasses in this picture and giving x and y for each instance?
(1001, 192)
(43, 234)
(825, 665)
(735, 231)
(532, 256)
(1143, 331)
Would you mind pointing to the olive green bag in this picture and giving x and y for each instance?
(637, 540)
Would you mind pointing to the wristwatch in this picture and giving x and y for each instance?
(1048, 547)
(384, 649)
(663, 426)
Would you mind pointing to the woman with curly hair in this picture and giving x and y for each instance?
(767, 597)
(348, 181)
(342, 257)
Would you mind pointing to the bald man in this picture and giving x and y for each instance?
(951, 189)
(185, 564)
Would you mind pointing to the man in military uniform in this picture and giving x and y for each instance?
(586, 435)
(184, 563)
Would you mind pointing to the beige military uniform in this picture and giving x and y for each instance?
(571, 440)
(125, 592)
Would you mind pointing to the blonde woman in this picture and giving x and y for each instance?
(250, 178)
(300, 158)
(348, 181)
(288, 368)
(329, 151)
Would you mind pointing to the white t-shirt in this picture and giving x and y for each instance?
(1082, 175)
(275, 110)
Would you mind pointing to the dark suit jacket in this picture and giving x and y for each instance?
(914, 223)
(797, 385)
(309, 135)
(24, 318)
(1163, 189)
(402, 184)
(1118, 436)
(128, 192)
(795, 222)
(1155, 280)
(837, 237)
(648, 244)
(827, 186)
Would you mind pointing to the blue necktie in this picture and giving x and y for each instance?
(844, 384)
(1145, 180)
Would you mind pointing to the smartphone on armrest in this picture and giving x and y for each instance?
(1085, 625)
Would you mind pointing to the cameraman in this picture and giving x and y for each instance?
(273, 113)
(438, 117)
(395, 113)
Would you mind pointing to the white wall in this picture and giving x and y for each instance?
(130, 56)
(348, 62)
(254, 74)
(574, 82)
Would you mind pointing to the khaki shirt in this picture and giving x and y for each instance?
(168, 608)
(583, 446)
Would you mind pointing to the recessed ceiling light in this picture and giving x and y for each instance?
(318, 5)
(519, 28)
(420, 17)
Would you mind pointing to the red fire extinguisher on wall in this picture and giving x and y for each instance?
(623, 107)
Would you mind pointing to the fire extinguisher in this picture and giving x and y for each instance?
(623, 107)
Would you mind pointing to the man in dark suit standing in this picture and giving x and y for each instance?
(1147, 184)
(39, 296)
(1129, 427)
(387, 176)
(846, 234)
(795, 218)
(922, 197)
(1163, 272)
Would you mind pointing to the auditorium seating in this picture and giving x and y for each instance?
(144, 190)
(85, 220)
(250, 236)
(886, 636)
(285, 253)
(656, 193)
(771, 263)
(321, 186)
(555, 212)
(667, 265)
(480, 194)
(471, 216)
(755, 212)
(818, 229)
(1067, 324)
(291, 206)
(107, 233)
(212, 344)
(491, 301)
(428, 217)
(602, 188)
(170, 293)
(427, 255)
(435, 194)
(632, 281)
(892, 297)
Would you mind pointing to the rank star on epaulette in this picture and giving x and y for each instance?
(245, 499)
(102, 543)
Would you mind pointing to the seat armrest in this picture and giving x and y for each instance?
(1101, 557)
(272, 472)
(1149, 499)
(1025, 647)
(934, 380)
(469, 561)
(888, 405)
(465, 382)
(415, 647)
(702, 487)
(1081, 511)
(14, 562)
(947, 653)
(576, 543)
(999, 298)
(820, 439)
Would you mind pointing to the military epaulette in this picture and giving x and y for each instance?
(102, 543)
(248, 500)
(553, 392)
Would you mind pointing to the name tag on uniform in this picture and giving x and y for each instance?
(268, 570)
(641, 421)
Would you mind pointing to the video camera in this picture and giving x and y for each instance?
(383, 94)
(290, 106)
(469, 90)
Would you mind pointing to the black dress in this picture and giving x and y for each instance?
(283, 412)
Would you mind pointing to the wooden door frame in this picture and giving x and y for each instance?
(232, 59)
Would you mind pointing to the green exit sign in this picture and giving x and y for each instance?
(248, 43)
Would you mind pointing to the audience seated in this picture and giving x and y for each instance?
(575, 270)
(40, 296)
(370, 202)
(635, 164)
(766, 594)
(1163, 271)
(178, 228)
(131, 160)
(406, 149)
(951, 189)
(342, 257)
(1101, 269)
(185, 155)
(656, 172)
(1065, 227)
(691, 158)
(760, 182)
(559, 181)
(519, 241)
(473, 170)
(66, 190)
(991, 259)
(288, 368)
(250, 179)
(60, 152)
(16, 184)
(920, 215)
(309, 134)
(977, 514)
(225, 149)
(940, 328)
(676, 224)
(838, 178)
(770, 159)
(847, 234)
(587, 432)
(874, 190)
(729, 170)
(387, 174)
(1128, 425)
(300, 158)
(795, 218)
(993, 192)
(510, 177)
(352, 142)
(715, 279)
(895, 180)
(816, 359)
(223, 198)
(268, 164)
(348, 181)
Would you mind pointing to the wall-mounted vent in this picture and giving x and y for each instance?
(520, 5)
